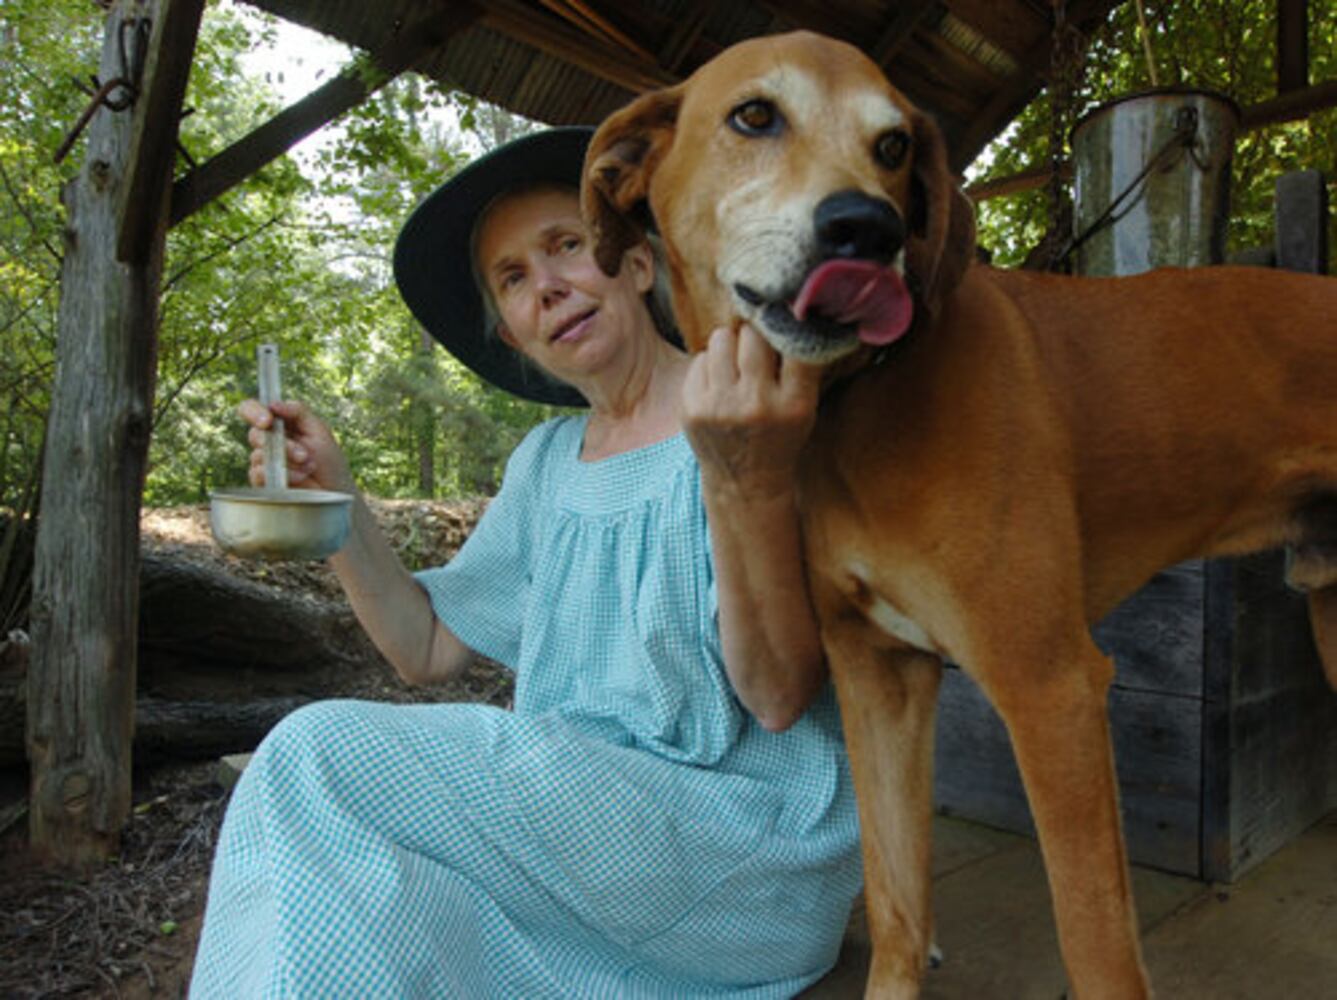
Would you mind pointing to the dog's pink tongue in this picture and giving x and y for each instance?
(858, 292)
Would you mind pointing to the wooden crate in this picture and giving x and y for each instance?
(1225, 730)
(1224, 727)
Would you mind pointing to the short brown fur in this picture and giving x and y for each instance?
(1033, 451)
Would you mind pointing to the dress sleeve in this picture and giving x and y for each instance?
(482, 593)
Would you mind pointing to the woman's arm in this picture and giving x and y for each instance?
(393, 609)
(747, 415)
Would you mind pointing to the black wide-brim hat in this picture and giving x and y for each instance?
(435, 272)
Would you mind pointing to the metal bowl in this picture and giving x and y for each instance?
(278, 525)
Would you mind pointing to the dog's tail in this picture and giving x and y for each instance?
(1323, 620)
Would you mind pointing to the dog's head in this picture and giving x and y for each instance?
(794, 189)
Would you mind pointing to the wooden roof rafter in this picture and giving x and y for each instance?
(685, 35)
(567, 61)
(557, 37)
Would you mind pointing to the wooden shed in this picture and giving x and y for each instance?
(1224, 743)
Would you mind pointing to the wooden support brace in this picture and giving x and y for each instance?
(1292, 45)
(274, 138)
(157, 113)
(558, 39)
(1291, 105)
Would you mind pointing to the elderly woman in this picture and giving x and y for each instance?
(667, 812)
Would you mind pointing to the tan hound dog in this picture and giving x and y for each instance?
(986, 486)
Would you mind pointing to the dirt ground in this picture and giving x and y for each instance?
(129, 928)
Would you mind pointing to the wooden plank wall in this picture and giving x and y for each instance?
(1270, 719)
(1155, 710)
(1277, 766)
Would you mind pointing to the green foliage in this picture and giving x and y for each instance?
(1224, 45)
(41, 60)
(299, 255)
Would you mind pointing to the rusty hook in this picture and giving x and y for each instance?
(99, 96)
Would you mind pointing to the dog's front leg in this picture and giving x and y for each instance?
(1057, 717)
(888, 700)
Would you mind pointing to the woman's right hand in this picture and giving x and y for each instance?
(315, 460)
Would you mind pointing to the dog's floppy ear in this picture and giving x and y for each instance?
(942, 219)
(622, 157)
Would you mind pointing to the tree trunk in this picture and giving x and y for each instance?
(424, 424)
(208, 636)
(85, 595)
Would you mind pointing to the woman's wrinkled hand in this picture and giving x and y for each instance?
(315, 460)
(748, 412)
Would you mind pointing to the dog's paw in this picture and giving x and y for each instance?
(935, 956)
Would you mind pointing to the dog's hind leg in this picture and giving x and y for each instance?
(1311, 566)
(1055, 711)
(1323, 621)
(888, 700)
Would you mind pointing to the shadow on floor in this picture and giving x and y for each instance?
(1273, 934)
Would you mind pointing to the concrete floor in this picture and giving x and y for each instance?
(1273, 934)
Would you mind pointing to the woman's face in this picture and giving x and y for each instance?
(556, 305)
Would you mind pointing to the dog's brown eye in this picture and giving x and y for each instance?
(756, 117)
(892, 147)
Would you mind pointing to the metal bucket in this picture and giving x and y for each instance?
(1152, 181)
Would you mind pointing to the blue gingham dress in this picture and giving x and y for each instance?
(627, 831)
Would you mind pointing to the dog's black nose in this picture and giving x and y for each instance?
(855, 225)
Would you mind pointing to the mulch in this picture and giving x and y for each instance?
(128, 928)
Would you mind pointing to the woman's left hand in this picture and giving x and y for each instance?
(748, 412)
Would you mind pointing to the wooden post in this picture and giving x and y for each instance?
(1302, 222)
(81, 683)
(1292, 45)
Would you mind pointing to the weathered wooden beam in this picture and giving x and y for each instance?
(605, 28)
(555, 37)
(327, 102)
(1292, 45)
(81, 683)
(1023, 180)
(157, 114)
(1290, 106)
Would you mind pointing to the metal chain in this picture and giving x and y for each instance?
(1066, 59)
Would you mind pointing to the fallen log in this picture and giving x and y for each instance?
(200, 729)
(163, 729)
(207, 636)
(221, 659)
